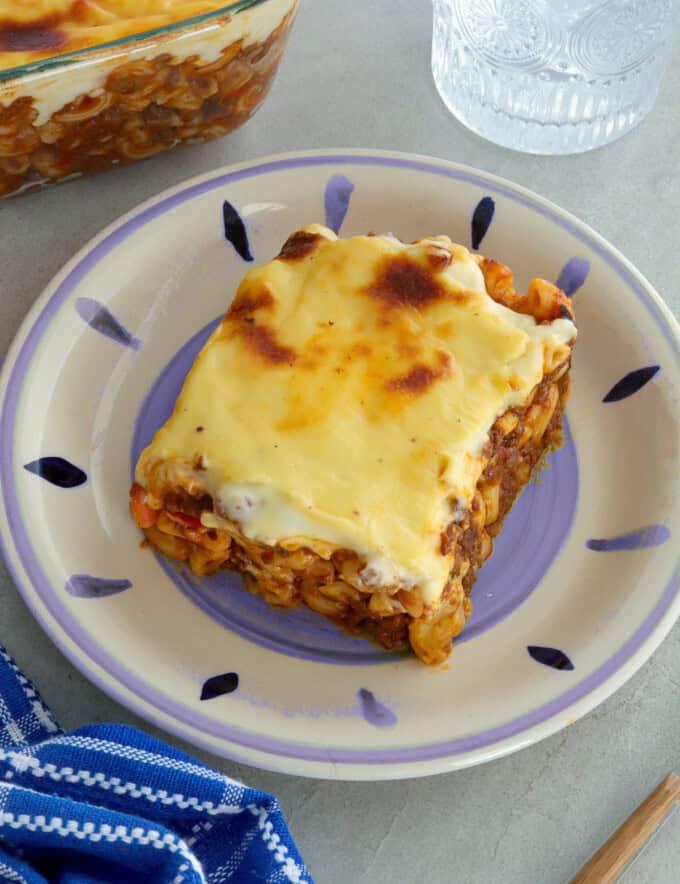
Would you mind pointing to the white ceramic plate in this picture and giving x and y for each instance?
(583, 584)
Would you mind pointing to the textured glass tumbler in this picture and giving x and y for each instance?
(551, 76)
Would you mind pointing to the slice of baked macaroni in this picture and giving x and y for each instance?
(356, 429)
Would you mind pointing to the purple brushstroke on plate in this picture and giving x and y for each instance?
(375, 712)
(100, 318)
(481, 220)
(532, 536)
(219, 685)
(235, 230)
(552, 657)
(336, 200)
(58, 471)
(84, 586)
(631, 383)
(573, 275)
(651, 535)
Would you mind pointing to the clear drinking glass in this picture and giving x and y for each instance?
(551, 76)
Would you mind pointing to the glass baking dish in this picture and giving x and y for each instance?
(127, 99)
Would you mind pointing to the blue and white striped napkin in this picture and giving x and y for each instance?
(108, 803)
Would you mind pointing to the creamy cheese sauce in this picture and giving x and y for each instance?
(347, 395)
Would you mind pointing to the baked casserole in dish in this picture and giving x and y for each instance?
(89, 84)
(354, 432)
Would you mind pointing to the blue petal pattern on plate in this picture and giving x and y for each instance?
(218, 685)
(552, 657)
(651, 535)
(573, 275)
(58, 471)
(481, 220)
(631, 383)
(100, 318)
(84, 586)
(375, 712)
(235, 231)
(336, 200)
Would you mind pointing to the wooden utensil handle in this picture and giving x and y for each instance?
(605, 866)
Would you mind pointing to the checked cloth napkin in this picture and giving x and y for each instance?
(109, 803)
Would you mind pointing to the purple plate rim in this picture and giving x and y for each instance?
(124, 681)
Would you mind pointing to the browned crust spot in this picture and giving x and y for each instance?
(299, 245)
(402, 282)
(246, 304)
(35, 36)
(262, 341)
(421, 377)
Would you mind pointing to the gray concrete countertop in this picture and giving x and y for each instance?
(357, 75)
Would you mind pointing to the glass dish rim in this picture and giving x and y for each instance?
(56, 61)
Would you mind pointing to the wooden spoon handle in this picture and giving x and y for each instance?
(605, 866)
